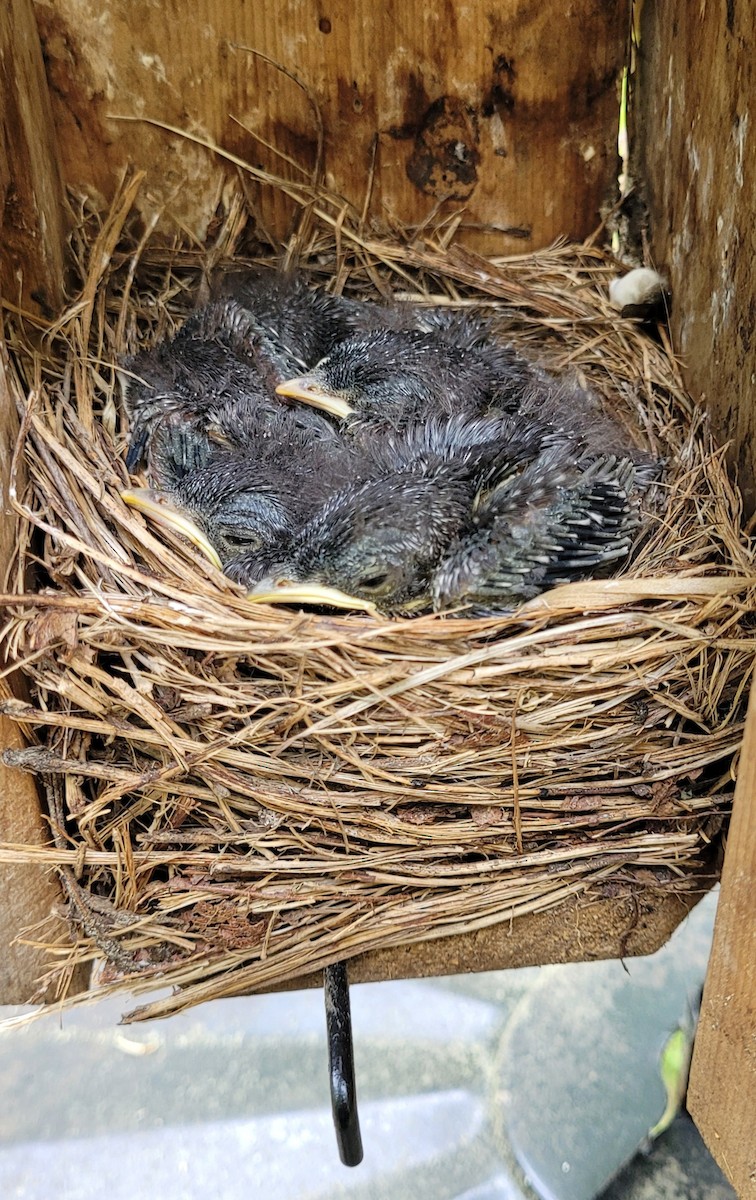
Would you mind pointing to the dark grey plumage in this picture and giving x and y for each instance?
(554, 522)
(485, 512)
(377, 541)
(258, 330)
(186, 377)
(258, 486)
(390, 379)
(459, 327)
(296, 325)
(468, 475)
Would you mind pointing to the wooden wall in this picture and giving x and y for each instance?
(27, 893)
(32, 222)
(31, 275)
(698, 151)
(507, 110)
(722, 1091)
(698, 137)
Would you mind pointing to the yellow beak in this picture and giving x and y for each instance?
(268, 591)
(307, 389)
(159, 506)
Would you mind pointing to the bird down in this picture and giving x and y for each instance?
(439, 467)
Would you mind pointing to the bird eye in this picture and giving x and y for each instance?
(377, 582)
(240, 541)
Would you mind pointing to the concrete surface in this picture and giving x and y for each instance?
(517, 1085)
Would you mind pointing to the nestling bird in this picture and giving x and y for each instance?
(554, 522)
(260, 328)
(187, 376)
(297, 325)
(379, 536)
(485, 512)
(466, 474)
(390, 379)
(252, 478)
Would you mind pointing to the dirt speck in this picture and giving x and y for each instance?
(445, 158)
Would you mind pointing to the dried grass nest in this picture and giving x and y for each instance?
(240, 794)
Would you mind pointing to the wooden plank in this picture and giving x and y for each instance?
(31, 275)
(506, 112)
(698, 153)
(28, 894)
(697, 83)
(31, 194)
(722, 1090)
(697, 87)
(581, 929)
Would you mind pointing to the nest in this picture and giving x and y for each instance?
(240, 793)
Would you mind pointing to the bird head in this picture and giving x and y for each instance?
(160, 508)
(377, 541)
(334, 385)
(222, 521)
(387, 375)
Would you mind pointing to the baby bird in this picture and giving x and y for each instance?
(382, 537)
(296, 325)
(554, 522)
(259, 329)
(389, 379)
(253, 477)
(484, 512)
(188, 375)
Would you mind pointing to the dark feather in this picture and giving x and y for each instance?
(382, 538)
(300, 324)
(246, 495)
(186, 377)
(393, 379)
(555, 522)
(259, 329)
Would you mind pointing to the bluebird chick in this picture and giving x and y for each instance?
(233, 497)
(294, 324)
(381, 536)
(188, 375)
(554, 522)
(260, 328)
(484, 513)
(390, 379)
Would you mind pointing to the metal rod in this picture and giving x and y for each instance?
(341, 1064)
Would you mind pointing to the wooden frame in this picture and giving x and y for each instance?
(530, 86)
(697, 86)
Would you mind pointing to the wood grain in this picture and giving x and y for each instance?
(28, 894)
(31, 195)
(697, 118)
(31, 275)
(505, 111)
(722, 1091)
(581, 929)
(698, 128)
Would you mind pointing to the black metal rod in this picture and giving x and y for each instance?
(346, 1119)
